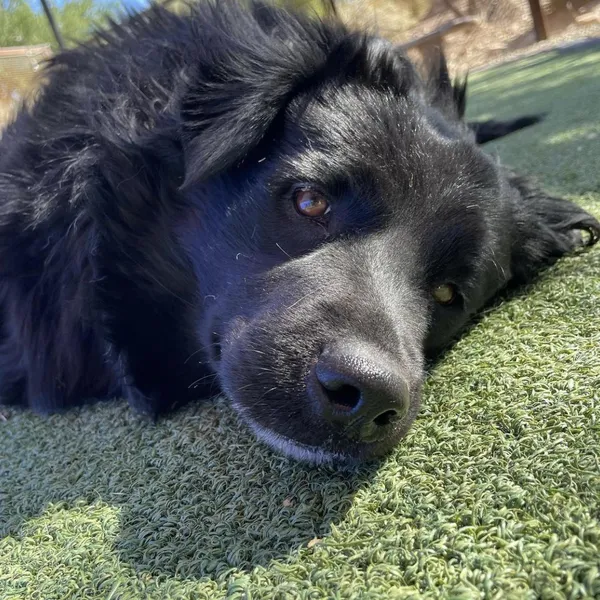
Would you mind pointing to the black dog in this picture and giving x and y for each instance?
(261, 196)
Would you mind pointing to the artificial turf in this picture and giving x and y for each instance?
(495, 493)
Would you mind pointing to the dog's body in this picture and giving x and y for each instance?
(262, 196)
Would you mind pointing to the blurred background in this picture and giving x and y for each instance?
(473, 33)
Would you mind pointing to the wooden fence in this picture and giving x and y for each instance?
(18, 67)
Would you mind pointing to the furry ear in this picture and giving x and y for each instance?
(258, 59)
(223, 120)
(448, 97)
(451, 98)
(546, 228)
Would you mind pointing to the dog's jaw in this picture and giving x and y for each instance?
(288, 447)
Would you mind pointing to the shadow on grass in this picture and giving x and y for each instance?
(196, 494)
(564, 84)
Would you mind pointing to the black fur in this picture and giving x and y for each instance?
(488, 131)
(148, 242)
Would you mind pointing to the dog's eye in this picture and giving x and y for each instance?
(311, 203)
(445, 294)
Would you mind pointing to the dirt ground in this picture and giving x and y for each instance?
(503, 31)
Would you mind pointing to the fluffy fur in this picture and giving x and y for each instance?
(149, 245)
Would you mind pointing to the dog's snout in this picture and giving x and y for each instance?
(360, 389)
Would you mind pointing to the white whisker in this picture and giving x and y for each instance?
(282, 250)
(212, 376)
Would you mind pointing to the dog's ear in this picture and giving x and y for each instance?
(449, 97)
(223, 120)
(546, 228)
(229, 109)
(250, 65)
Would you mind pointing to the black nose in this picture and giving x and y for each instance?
(361, 389)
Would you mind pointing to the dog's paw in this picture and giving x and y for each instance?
(587, 236)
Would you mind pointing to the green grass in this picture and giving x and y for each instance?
(495, 493)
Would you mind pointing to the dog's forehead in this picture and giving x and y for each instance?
(355, 116)
(399, 145)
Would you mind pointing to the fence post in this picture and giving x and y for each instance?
(53, 24)
(538, 20)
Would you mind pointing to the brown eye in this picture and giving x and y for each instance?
(311, 203)
(444, 294)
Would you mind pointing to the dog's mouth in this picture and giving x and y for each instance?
(317, 454)
(330, 450)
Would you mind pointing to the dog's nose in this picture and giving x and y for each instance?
(361, 389)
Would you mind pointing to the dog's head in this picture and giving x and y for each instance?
(341, 223)
(345, 224)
